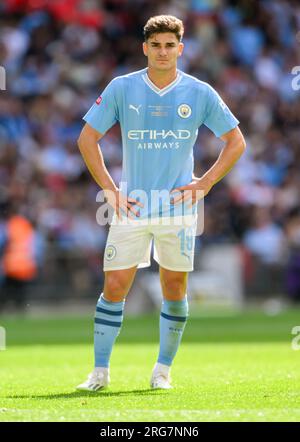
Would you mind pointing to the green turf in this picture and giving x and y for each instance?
(233, 368)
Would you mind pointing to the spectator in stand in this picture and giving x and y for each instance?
(21, 255)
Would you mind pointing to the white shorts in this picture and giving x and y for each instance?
(129, 244)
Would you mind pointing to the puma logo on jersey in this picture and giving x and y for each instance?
(137, 109)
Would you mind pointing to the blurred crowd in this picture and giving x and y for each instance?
(59, 56)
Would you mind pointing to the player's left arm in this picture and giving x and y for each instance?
(235, 145)
(199, 187)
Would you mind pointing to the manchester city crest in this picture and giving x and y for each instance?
(184, 111)
(110, 252)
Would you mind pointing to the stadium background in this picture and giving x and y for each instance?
(58, 57)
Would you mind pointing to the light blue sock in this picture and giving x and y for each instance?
(108, 321)
(172, 323)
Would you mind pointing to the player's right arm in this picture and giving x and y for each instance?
(93, 158)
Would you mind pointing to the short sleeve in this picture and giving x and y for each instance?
(218, 118)
(104, 112)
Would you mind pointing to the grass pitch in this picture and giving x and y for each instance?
(233, 368)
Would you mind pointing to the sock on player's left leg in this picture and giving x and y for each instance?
(173, 319)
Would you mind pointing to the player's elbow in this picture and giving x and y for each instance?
(241, 143)
(88, 137)
(84, 140)
(236, 145)
(81, 141)
(235, 140)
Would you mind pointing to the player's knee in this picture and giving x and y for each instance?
(115, 288)
(174, 289)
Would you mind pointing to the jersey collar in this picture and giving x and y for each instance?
(164, 90)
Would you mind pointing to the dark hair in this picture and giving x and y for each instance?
(164, 23)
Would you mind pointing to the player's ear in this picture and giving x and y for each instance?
(180, 49)
(145, 48)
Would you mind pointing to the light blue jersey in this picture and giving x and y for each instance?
(159, 129)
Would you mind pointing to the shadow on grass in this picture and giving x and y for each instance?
(86, 394)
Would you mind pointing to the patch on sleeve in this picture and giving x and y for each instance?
(99, 99)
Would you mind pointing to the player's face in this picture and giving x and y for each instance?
(162, 51)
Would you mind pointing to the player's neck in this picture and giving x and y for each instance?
(162, 79)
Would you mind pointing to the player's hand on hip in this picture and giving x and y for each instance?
(122, 204)
(196, 190)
